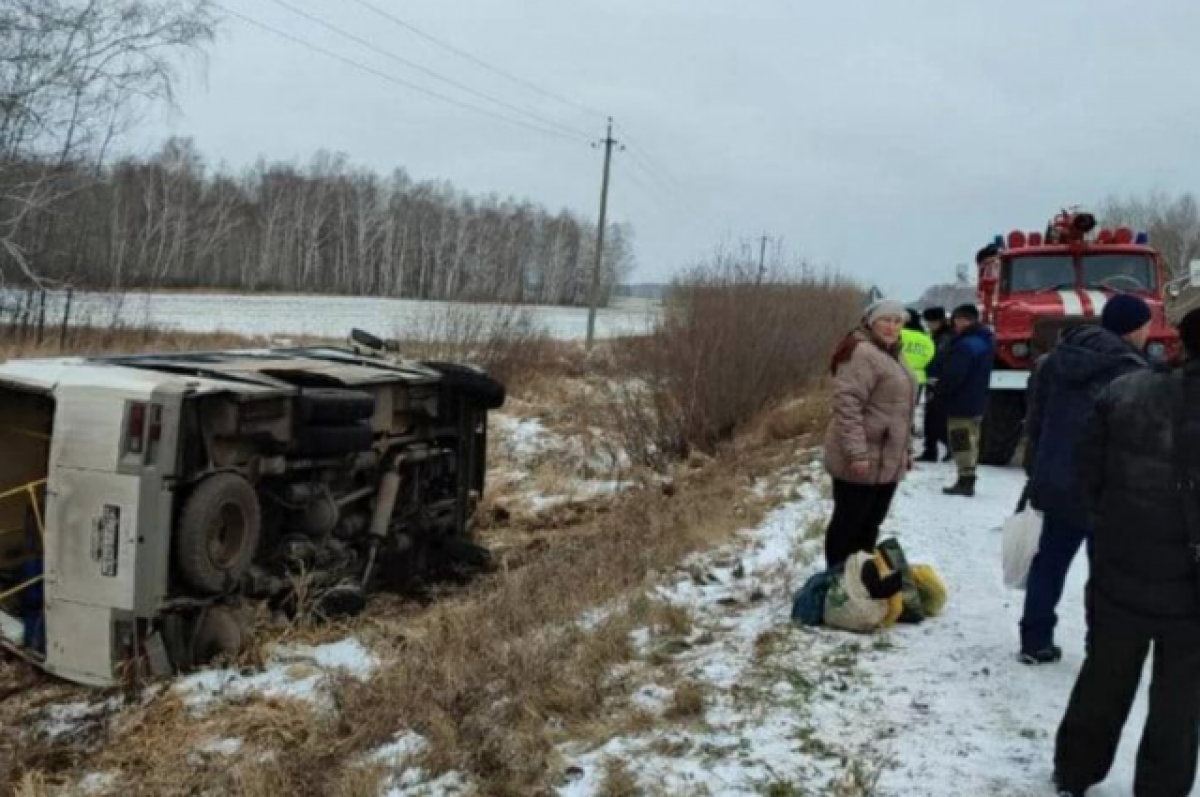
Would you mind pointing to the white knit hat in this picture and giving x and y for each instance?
(885, 308)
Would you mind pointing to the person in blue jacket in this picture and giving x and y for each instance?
(1063, 398)
(963, 388)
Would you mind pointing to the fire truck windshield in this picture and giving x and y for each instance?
(1118, 272)
(1039, 273)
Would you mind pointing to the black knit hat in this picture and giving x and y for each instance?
(934, 314)
(967, 311)
(1125, 313)
(991, 250)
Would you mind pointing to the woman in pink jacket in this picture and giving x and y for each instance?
(867, 447)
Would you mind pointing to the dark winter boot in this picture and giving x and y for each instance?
(1048, 655)
(965, 486)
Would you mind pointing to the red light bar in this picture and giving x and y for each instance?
(1016, 239)
(1035, 239)
(1123, 235)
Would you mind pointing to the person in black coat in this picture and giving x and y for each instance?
(935, 407)
(1139, 464)
(1063, 394)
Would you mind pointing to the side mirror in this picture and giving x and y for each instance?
(366, 340)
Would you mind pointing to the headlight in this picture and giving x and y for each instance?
(1020, 350)
(1157, 350)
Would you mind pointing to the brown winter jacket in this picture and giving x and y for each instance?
(874, 397)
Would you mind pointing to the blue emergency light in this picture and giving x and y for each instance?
(1143, 239)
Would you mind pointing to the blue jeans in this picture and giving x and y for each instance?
(1047, 576)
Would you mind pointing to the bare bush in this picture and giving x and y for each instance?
(507, 340)
(733, 340)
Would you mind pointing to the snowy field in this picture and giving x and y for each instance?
(324, 316)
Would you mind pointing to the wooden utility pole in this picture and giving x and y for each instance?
(762, 259)
(594, 300)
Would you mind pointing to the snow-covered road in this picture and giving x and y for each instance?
(969, 719)
(941, 709)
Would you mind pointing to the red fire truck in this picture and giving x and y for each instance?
(1045, 283)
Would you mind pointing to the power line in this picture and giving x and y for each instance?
(643, 157)
(389, 77)
(431, 73)
(429, 37)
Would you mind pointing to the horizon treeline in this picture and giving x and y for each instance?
(171, 221)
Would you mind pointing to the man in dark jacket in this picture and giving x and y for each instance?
(963, 384)
(935, 407)
(1063, 395)
(1139, 464)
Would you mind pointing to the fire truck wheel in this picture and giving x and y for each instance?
(220, 632)
(1002, 428)
(218, 533)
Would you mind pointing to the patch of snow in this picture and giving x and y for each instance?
(652, 698)
(220, 747)
(349, 655)
(68, 719)
(526, 444)
(413, 783)
(298, 672)
(97, 782)
(407, 746)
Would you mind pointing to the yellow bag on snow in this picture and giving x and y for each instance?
(932, 588)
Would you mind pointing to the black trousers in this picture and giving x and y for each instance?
(858, 512)
(1105, 691)
(936, 430)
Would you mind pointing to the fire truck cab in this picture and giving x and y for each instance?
(1041, 285)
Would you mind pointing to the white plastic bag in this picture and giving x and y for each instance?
(1022, 536)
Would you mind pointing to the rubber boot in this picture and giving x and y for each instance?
(965, 486)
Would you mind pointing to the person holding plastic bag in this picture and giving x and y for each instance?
(1022, 534)
(1066, 385)
(1139, 462)
(867, 446)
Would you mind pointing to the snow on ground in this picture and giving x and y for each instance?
(324, 316)
(940, 709)
(299, 672)
(578, 471)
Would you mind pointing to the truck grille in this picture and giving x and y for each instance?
(1048, 331)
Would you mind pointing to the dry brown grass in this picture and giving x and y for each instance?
(618, 780)
(802, 417)
(688, 701)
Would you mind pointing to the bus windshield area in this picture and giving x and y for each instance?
(1118, 272)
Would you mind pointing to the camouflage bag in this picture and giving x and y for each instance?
(914, 608)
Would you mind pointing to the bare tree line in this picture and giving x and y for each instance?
(169, 222)
(75, 74)
(1172, 220)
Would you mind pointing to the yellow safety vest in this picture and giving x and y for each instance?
(918, 350)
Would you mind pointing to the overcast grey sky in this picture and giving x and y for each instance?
(888, 139)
